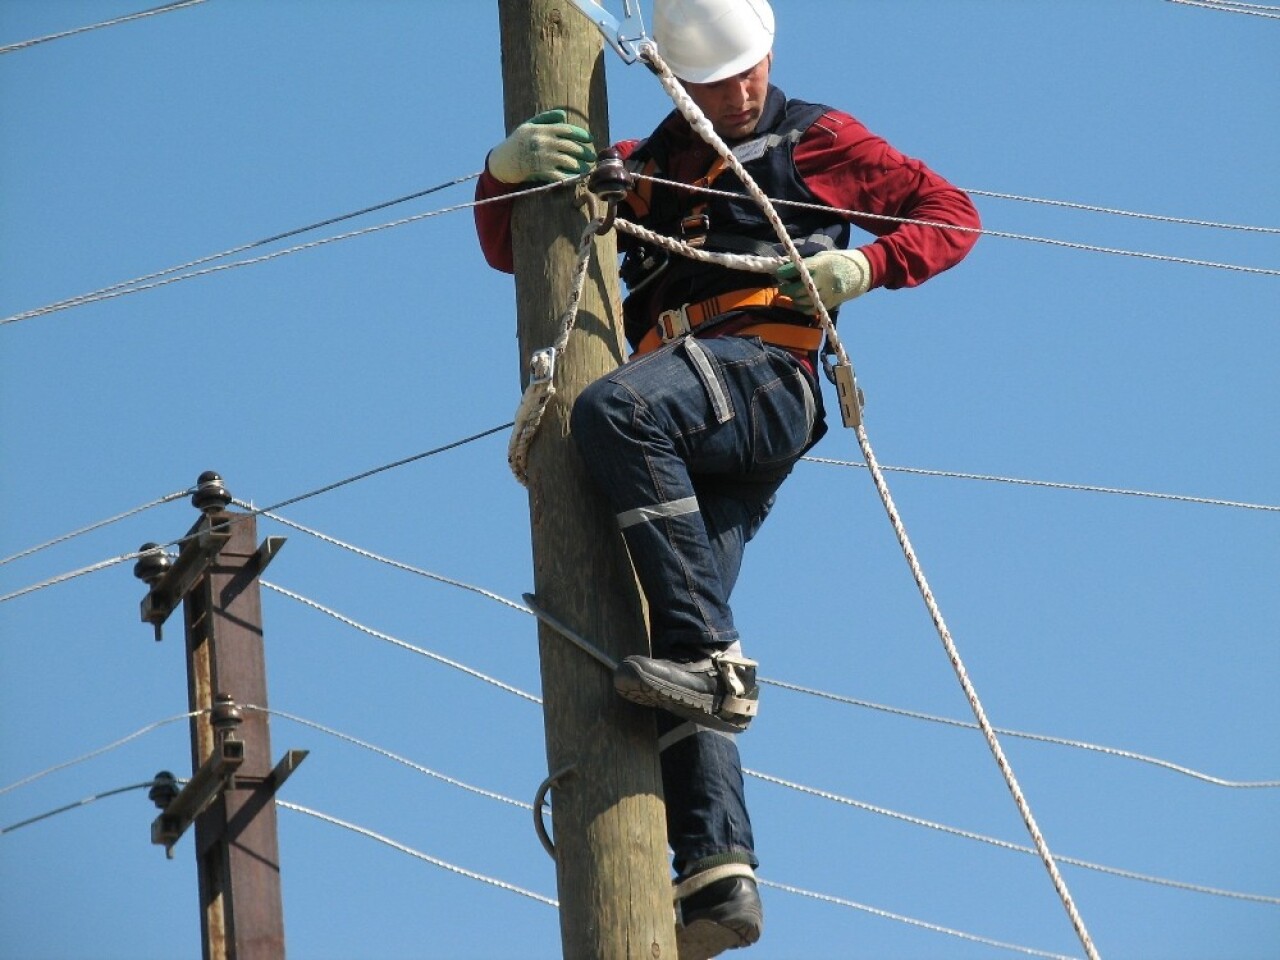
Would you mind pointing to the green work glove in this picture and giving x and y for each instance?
(839, 275)
(544, 148)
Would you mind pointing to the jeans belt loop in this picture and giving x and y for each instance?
(673, 324)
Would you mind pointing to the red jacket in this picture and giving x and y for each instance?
(843, 165)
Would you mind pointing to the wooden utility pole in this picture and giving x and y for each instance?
(230, 796)
(609, 823)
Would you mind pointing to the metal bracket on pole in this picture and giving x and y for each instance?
(171, 582)
(626, 35)
(201, 790)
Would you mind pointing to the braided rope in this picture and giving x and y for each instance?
(699, 122)
(734, 261)
(541, 387)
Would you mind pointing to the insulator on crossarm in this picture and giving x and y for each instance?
(210, 496)
(153, 564)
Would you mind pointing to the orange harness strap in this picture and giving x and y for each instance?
(673, 324)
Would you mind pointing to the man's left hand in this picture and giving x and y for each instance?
(839, 275)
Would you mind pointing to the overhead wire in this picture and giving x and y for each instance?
(1115, 211)
(129, 287)
(980, 231)
(134, 555)
(1008, 845)
(1053, 485)
(164, 277)
(1253, 9)
(793, 687)
(402, 644)
(125, 286)
(418, 854)
(67, 808)
(167, 498)
(154, 11)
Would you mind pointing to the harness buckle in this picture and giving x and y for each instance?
(694, 229)
(674, 324)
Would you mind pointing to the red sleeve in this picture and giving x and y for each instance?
(493, 220)
(850, 168)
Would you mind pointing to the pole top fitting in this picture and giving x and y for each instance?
(163, 789)
(226, 713)
(210, 496)
(153, 564)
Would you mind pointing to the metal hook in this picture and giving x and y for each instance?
(539, 799)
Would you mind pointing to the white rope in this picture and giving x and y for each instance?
(734, 261)
(166, 8)
(434, 861)
(400, 643)
(690, 111)
(910, 921)
(1006, 845)
(167, 498)
(542, 366)
(985, 232)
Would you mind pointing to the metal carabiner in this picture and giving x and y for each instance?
(625, 35)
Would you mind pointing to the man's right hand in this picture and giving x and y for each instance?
(545, 148)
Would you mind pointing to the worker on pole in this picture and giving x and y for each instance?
(691, 439)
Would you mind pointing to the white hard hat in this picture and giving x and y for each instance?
(703, 41)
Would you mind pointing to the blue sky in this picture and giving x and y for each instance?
(1143, 624)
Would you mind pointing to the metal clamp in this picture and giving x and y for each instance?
(626, 36)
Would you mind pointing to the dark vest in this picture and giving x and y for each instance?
(658, 281)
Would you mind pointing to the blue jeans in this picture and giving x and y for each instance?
(689, 445)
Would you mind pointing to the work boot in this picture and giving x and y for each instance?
(718, 691)
(719, 914)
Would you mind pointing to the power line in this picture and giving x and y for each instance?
(402, 644)
(980, 231)
(124, 558)
(1253, 9)
(434, 861)
(1114, 211)
(134, 286)
(77, 805)
(795, 688)
(1021, 734)
(910, 921)
(99, 751)
(167, 498)
(1008, 845)
(1053, 485)
(124, 285)
(154, 11)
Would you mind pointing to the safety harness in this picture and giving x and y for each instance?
(724, 224)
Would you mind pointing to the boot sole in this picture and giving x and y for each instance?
(638, 687)
(704, 939)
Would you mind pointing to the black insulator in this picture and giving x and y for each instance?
(153, 564)
(610, 180)
(226, 715)
(163, 790)
(210, 496)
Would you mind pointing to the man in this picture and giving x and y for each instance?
(690, 440)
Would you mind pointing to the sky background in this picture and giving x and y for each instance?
(1148, 625)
